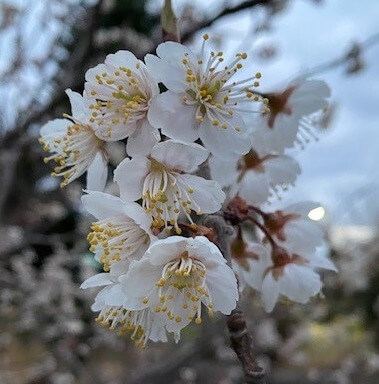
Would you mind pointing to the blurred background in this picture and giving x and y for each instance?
(47, 331)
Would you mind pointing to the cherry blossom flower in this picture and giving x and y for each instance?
(74, 145)
(290, 117)
(166, 188)
(255, 178)
(123, 89)
(292, 226)
(113, 303)
(122, 231)
(202, 100)
(277, 271)
(245, 254)
(177, 275)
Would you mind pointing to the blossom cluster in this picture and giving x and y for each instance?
(160, 271)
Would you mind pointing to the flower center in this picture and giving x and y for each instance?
(210, 88)
(275, 223)
(182, 288)
(116, 239)
(129, 100)
(240, 253)
(278, 104)
(165, 195)
(74, 151)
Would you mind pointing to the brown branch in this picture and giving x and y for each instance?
(225, 12)
(240, 338)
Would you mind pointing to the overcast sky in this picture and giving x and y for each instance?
(341, 170)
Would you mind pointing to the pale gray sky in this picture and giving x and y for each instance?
(339, 170)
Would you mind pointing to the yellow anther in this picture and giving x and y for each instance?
(205, 36)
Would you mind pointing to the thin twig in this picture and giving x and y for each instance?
(240, 338)
(225, 12)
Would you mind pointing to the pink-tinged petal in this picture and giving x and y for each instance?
(270, 292)
(180, 156)
(207, 194)
(99, 280)
(223, 171)
(102, 205)
(97, 173)
(177, 119)
(142, 140)
(225, 143)
(222, 285)
(163, 251)
(254, 187)
(282, 169)
(130, 175)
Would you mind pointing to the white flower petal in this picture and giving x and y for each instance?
(319, 261)
(254, 187)
(302, 208)
(142, 140)
(299, 283)
(222, 285)
(54, 129)
(203, 249)
(177, 119)
(141, 278)
(270, 292)
(225, 142)
(102, 205)
(123, 59)
(180, 156)
(79, 106)
(223, 171)
(97, 173)
(163, 251)
(309, 96)
(282, 169)
(207, 194)
(98, 280)
(130, 175)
